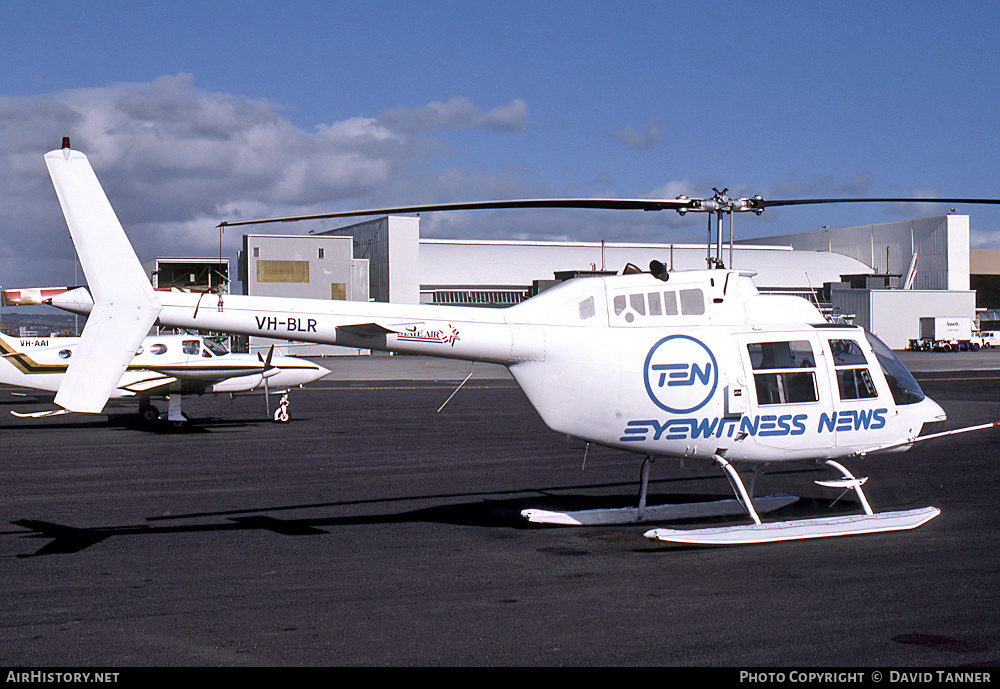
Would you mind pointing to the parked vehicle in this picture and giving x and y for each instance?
(988, 338)
(947, 334)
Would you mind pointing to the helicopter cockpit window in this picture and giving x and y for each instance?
(854, 381)
(784, 372)
(692, 302)
(191, 347)
(903, 386)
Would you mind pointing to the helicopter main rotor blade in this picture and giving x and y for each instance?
(592, 204)
(720, 203)
(755, 203)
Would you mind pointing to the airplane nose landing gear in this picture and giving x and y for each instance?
(281, 413)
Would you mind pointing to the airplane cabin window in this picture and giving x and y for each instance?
(65, 354)
(692, 302)
(587, 308)
(191, 347)
(158, 349)
(216, 348)
(784, 372)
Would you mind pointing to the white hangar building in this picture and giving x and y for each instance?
(884, 276)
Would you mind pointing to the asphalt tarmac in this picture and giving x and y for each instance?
(374, 530)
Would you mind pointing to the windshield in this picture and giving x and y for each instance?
(904, 387)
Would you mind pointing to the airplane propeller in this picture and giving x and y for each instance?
(265, 374)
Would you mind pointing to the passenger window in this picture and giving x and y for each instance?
(619, 304)
(670, 303)
(784, 372)
(586, 308)
(158, 349)
(654, 303)
(638, 303)
(191, 347)
(854, 380)
(692, 302)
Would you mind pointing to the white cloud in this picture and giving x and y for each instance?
(639, 140)
(458, 113)
(175, 160)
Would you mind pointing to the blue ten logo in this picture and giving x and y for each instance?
(681, 374)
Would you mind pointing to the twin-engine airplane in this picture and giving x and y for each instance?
(690, 365)
(163, 367)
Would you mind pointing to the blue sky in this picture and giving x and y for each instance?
(196, 112)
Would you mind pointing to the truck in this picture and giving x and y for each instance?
(946, 334)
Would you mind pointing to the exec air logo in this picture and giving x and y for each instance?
(681, 374)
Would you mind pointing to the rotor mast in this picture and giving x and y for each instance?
(720, 206)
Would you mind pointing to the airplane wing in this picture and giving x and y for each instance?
(125, 305)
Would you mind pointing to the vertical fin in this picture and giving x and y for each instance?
(125, 305)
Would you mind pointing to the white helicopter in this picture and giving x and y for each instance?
(690, 365)
(164, 366)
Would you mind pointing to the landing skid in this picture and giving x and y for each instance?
(657, 513)
(820, 527)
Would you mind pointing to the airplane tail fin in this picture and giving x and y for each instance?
(9, 344)
(125, 305)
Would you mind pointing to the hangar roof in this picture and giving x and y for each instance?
(462, 262)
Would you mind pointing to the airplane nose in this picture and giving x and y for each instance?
(319, 372)
(296, 371)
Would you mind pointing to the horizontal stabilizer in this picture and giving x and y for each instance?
(40, 414)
